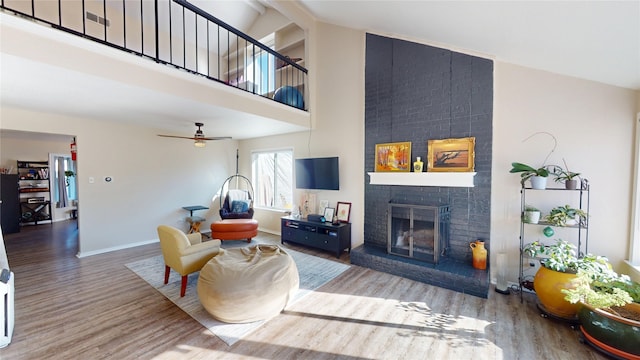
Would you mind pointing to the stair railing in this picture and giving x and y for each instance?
(176, 33)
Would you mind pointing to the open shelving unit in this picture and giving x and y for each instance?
(33, 187)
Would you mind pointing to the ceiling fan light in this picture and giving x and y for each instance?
(200, 143)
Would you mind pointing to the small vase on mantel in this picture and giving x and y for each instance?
(417, 165)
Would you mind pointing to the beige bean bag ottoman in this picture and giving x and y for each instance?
(248, 284)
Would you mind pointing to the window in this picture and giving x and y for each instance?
(261, 68)
(272, 177)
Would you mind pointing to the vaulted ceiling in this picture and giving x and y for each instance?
(594, 40)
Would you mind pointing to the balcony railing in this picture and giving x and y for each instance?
(177, 33)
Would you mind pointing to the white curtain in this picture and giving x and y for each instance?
(61, 184)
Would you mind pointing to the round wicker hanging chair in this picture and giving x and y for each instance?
(237, 199)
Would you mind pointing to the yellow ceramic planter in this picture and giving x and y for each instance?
(547, 285)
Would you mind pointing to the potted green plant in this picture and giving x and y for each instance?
(569, 178)
(537, 177)
(609, 311)
(531, 214)
(559, 267)
(566, 216)
(67, 175)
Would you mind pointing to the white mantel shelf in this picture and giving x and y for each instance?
(445, 179)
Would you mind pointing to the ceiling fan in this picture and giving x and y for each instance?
(198, 137)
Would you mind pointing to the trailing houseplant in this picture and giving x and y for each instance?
(603, 290)
(566, 215)
(609, 311)
(529, 172)
(561, 256)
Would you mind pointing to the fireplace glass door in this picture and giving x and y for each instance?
(418, 232)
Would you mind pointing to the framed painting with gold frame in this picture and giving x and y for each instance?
(451, 155)
(391, 157)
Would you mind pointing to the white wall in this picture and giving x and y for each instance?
(594, 126)
(153, 177)
(338, 117)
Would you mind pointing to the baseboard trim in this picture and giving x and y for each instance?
(116, 248)
(269, 231)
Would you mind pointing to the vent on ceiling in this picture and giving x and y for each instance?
(99, 19)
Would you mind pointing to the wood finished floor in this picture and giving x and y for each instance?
(96, 308)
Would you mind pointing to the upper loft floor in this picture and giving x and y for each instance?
(227, 78)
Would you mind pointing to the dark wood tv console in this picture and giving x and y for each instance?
(325, 236)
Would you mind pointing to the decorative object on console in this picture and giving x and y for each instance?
(393, 157)
(328, 214)
(316, 218)
(323, 205)
(344, 212)
(307, 204)
(451, 155)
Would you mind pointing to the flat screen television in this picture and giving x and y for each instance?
(317, 173)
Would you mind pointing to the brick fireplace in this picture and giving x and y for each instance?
(416, 93)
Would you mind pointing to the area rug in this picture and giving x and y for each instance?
(314, 272)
